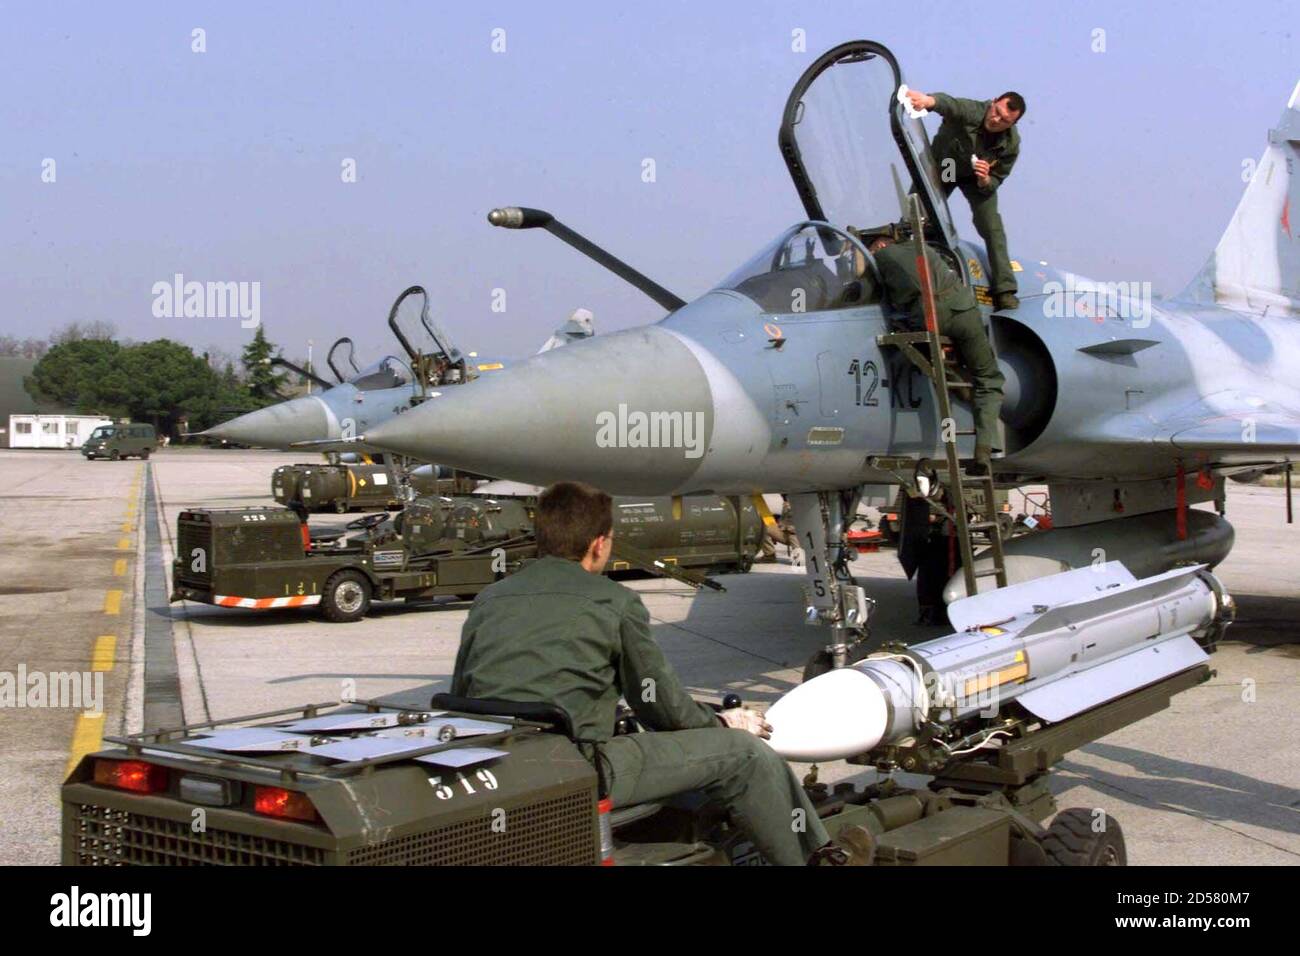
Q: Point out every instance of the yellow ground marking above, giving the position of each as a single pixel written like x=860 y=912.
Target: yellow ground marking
x=128 y=525
x=119 y=567
x=101 y=658
x=124 y=544
x=87 y=737
x=113 y=602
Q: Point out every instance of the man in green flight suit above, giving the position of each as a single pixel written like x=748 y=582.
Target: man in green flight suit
x=558 y=631
x=958 y=318
x=975 y=148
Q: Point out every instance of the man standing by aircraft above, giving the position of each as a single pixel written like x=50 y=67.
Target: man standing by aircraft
x=559 y=632
x=958 y=318
x=975 y=149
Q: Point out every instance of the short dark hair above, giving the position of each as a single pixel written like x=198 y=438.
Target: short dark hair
x=1015 y=102
x=571 y=515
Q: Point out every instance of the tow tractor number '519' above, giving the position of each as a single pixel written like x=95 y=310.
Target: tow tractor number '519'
x=445 y=791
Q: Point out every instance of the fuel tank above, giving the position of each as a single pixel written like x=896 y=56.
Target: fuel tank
x=1146 y=544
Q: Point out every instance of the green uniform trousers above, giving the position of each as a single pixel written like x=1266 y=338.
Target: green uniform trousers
x=733 y=767
x=966 y=330
x=988 y=223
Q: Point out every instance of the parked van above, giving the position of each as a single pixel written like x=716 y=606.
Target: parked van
x=120 y=441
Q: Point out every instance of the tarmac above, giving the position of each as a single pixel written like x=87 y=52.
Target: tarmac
x=85 y=555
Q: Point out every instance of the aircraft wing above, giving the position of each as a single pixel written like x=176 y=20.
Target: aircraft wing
x=1234 y=427
x=1272 y=437
x=1230 y=428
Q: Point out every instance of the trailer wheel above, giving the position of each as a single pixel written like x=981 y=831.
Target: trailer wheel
x=1071 y=841
x=346 y=598
x=341 y=506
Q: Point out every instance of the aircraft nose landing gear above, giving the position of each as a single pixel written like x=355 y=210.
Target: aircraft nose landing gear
x=831 y=597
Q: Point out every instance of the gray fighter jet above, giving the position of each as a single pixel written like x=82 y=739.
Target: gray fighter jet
x=364 y=396
x=1130 y=409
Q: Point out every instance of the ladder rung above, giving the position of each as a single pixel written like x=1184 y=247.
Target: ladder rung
x=989 y=572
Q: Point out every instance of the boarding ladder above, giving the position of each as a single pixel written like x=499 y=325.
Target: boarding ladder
x=967 y=512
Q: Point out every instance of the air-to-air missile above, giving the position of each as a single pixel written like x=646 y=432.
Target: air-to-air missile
x=784 y=376
x=1055 y=647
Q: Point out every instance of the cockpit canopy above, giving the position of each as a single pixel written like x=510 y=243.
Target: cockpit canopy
x=419 y=332
x=810 y=267
x=388 y=372
x=852 y=149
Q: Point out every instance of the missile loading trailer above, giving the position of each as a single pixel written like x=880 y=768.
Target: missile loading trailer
x=495 y=783
x=263 y=558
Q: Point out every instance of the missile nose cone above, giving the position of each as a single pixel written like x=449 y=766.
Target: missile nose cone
x=277 y=426
x=631 y=412
x=839 y=714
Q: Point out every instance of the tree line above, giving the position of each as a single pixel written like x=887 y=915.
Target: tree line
x=163 y=382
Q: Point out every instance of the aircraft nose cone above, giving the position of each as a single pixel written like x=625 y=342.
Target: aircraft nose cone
x=632 y=413
x=277 y=426
x=838 y=714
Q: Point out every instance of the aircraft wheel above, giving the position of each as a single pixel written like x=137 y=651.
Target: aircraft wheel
x=346 y=598
x=820 y=662
x=1071 y=841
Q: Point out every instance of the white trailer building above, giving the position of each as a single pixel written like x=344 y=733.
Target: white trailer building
x=52 y=430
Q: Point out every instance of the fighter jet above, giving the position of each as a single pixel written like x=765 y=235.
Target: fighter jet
x=1130 y=409
x=363 y=396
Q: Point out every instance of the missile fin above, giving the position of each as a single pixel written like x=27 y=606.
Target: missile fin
x=1072 y=695
x=1002 y=604
x=1063 y=613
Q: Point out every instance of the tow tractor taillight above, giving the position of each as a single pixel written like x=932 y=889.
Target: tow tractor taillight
x=286 y=804
x=605 y=808
x=134 y=775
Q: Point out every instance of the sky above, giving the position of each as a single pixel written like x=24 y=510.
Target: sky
x=228 y=164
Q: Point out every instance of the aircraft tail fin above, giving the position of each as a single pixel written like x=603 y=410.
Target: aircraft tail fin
x=1255 y=268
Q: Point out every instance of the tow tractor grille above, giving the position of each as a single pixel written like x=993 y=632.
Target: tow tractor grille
x=107 y=837
x=191 y=536
x=557 y=832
